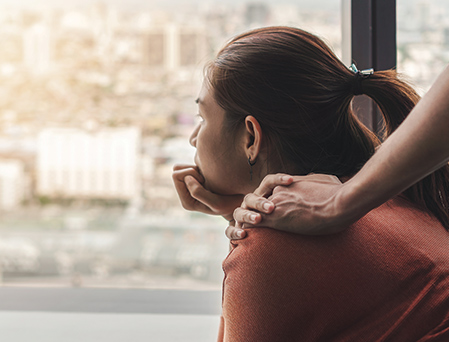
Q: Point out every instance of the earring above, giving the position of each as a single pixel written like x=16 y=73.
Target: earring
x=251 y=168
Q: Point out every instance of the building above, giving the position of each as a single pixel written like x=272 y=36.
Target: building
x=13 y=183
x=76 y=163
x=37 y=49
x=171 y=47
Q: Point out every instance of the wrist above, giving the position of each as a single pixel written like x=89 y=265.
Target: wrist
x=352 y=202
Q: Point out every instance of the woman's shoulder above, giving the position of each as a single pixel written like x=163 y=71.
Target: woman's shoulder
x=268 y=251
x=396 y=227
x=406 y=223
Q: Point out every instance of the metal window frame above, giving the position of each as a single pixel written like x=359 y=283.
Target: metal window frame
x=369 y=40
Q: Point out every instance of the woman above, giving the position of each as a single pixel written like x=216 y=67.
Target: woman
x=278 y=100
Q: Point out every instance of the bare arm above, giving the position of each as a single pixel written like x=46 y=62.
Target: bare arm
x=314 y=205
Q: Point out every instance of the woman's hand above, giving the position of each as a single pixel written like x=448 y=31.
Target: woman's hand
x=308 y=205
x=188 y=183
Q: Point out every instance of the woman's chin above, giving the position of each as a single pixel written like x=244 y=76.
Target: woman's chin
x=217 y=189
x=212 y=188
x=199 y=171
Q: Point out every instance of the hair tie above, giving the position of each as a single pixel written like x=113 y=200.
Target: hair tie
x=359 y=76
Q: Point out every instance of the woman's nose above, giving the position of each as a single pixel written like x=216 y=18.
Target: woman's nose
x=193 y=136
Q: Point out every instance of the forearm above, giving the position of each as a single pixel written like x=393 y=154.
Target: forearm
x=417 y=148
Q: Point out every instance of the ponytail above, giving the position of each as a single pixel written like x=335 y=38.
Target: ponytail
x=396 y=99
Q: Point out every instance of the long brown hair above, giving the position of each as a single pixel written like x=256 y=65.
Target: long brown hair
x=301 y=94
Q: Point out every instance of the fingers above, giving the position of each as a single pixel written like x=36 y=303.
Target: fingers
x=183 y=192
x=257 y=203
x=209 y=202
x=188 y=169
x=234 y=233
x=242 y=216
x=271 y=181
x=180 y=172
x=198 y=192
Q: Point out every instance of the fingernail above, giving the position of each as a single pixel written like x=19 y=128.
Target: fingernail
x=286 y=178
x=240 y=234
x=253 y=217
x=266 y=206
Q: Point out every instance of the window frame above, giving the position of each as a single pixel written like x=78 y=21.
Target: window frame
x=369 y=38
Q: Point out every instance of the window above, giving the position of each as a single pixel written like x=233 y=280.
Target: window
x=423 y=40
x=101 y=77
x=102 y=73
x=114 y=87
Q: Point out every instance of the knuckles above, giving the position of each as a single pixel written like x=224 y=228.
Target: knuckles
x=186 y=206
x=247 y=198
x=269 y=179
x=235 y=214
x=272 y=179
x=277 y=190
x=228 y=232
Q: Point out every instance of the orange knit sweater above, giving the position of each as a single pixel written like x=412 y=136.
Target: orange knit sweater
x=385 y=278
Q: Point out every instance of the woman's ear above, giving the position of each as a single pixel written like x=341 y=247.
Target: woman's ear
x=253 y=137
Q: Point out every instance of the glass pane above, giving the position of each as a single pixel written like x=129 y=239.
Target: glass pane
x=423 y=40
x=96 y=105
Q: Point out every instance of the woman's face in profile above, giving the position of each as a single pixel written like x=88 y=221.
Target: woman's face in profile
x=219 y=154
